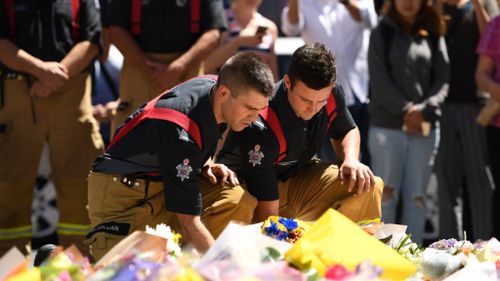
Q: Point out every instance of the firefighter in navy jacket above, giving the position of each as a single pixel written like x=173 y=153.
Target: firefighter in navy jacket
x=45 y=50
x=275 y=155
x=150 y=172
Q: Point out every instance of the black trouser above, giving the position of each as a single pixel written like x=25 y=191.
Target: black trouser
x=493 y=139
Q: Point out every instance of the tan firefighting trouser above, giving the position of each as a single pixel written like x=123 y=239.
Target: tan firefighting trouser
x=318 y=187
x=137 y=87
x=63 y=120
x=143 y=204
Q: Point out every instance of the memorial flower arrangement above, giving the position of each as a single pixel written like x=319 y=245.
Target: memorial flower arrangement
x=284 y=229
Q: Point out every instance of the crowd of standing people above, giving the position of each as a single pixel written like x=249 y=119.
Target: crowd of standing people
x=402 y=91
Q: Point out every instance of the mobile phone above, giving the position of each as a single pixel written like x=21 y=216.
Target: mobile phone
x=261 y=30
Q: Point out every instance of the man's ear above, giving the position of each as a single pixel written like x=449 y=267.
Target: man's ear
x=224 y=91
x=288 y=82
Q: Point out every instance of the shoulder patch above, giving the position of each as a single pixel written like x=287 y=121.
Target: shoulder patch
x=184 y=170
x=255 y=156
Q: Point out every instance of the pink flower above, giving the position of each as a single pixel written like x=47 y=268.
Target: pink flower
x=338 y=273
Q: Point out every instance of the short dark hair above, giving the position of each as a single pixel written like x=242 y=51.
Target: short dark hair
x=314 y=65
x=246 y=70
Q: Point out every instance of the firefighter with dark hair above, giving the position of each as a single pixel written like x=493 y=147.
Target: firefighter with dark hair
x=156 y=168
x=45 y=50
x=275 y=156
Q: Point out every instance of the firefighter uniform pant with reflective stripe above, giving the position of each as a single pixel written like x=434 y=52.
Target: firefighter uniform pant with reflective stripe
x=118 y=206
x=64 y=121
x=138 y=87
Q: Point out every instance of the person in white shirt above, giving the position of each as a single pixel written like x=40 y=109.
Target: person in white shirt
x=343 y=26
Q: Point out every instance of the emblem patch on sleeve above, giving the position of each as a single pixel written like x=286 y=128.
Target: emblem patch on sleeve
x=184 y=170
x=255 y=155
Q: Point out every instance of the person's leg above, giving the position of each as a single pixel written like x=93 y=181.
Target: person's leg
x=74 y=142
x=421 y=152
x=388 y=163
x=449 y=172
x=21 y=141
x=318 y=187
x=478 y=179
x=493 y=138
x=117 y=210
x=223 y=203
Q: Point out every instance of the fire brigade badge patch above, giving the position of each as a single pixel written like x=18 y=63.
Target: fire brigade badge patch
x=255 y=155
x=184 y=170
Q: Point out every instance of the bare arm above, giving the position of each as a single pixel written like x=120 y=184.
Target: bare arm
x=221 y=54
x=128 y=47
x=348 y=147
x=482 y=17
x=201 y=49
x=265 y=209
x=196 y=232
x=484 y=77
x=351 y=170
x=80 y=57
x=52 y=74
x=293 y=11
x=166 y=76
x=353 y=9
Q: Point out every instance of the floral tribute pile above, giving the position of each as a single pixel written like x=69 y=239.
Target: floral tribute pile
x=331 y=249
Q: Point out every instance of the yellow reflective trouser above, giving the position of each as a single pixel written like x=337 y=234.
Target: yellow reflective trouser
x=63 y=120
x=137 y=88
x=116 y=209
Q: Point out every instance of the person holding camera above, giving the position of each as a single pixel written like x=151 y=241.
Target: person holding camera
x=247 y=30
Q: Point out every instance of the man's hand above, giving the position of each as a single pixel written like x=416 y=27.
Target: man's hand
x=352 y=170
x=53 y=75
x=213 y=172
x=40 y=90
x=104 y=113
x=166 y=75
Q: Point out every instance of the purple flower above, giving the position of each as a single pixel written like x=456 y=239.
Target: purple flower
x=444 y=244
x=290 y=224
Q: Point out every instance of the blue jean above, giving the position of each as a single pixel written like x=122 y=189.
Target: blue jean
x=405 y=163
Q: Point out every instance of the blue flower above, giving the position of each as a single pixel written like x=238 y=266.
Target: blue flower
x=290 y=224
x=282 y=235
x=272 y=229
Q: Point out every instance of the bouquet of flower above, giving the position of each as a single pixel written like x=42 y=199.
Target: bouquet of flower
x=284 y=229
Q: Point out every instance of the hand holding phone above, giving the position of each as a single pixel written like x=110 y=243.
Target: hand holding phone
x=261 y=30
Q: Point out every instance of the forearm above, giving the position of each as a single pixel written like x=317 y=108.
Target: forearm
x=196 y=232
x=293 y=11
x=482 y=17
x=353 y=9
x=17 y=59
x=79 y=57
x=487 y=84
x=265 y=209
x=348 y=147
x=128 y=47
x=201 y=49
x=220 y=55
